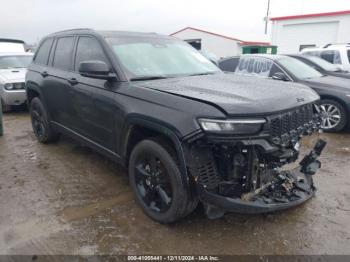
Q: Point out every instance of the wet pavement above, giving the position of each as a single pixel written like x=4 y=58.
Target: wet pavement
x=65 y=199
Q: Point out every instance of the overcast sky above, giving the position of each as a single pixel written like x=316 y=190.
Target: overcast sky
x=31 y=19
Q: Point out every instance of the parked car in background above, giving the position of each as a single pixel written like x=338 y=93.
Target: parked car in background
x=183 y=128
x=322 y=65
x=210 y=56
x=11 y=45
x=13 y=67
x=334 y=91
x=338 y=54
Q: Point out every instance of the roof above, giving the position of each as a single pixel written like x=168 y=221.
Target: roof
x=346 y=12
x=16 y=54
x=242 y=42
x=106 y=33
x=268 y=56
x=11 y=40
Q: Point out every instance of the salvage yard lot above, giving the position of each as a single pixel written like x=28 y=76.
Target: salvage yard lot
x=65 y=199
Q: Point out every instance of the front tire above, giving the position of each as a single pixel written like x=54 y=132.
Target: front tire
x=334 y=117
x=157 y=183
x=40 y=122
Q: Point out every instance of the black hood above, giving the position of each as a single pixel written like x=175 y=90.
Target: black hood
x=237 y=95
x=335 y=83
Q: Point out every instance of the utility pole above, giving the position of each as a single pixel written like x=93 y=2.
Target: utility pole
x=267 y=16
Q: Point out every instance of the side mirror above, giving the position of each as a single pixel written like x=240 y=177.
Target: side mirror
x=96 y=69
x=280 y=76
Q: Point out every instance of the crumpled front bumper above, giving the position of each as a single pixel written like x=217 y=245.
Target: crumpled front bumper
x=299 y=189
x=257 y=205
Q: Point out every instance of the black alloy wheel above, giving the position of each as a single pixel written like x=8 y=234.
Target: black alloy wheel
x=157 y=182
x=153 y=183
x=40 y=122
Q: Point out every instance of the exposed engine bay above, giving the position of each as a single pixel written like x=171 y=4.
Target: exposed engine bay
x=249 y=175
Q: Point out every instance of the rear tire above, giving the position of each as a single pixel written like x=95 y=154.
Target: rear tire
x=40 y=122
x=157 y=182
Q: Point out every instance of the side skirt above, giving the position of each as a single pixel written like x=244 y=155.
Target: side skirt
x=87 y=142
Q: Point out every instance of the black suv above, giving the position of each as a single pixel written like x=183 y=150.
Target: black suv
x=186 y=131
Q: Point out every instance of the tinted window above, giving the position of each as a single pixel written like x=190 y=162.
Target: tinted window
x=63 y=53
x=349 y=55
x=323 y=64
x=275 y=69
x=229 y=64
x=298 y=68
x=89 y=49
x=332 y=56
x=42 y=55
x=254 y=66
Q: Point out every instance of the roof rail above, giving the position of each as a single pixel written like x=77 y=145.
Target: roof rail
x=74 y=29
x=328 y=45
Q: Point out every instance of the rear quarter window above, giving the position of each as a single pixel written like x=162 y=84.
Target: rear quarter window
x=42 y=54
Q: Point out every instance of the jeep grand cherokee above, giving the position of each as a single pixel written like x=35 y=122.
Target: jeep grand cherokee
x=186 y=131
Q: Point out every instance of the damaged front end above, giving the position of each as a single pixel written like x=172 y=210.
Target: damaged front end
x=243 y=174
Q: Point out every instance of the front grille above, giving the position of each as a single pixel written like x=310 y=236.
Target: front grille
x=207 y=175
x=292 y=124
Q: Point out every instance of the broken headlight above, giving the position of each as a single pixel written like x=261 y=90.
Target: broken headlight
x=234 y=126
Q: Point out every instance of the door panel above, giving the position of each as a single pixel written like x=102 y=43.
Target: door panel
x=93 y=111
x=57 y=88
x=92 y=100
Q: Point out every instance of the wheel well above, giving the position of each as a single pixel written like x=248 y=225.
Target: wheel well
x=338 y=100
x=31 y=94
x=139 y=133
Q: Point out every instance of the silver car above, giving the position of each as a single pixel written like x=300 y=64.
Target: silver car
x=13 y=67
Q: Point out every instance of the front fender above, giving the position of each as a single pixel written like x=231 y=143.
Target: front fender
x=168 y=131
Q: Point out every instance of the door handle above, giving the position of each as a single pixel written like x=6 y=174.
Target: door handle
x=44 y=73
x=73 y=81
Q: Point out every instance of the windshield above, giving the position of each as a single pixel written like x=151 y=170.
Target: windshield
x=298 y=68
x=15 y=61
x=323 y=64
x=156 y=57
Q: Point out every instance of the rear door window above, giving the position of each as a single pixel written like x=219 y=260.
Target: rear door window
x=89 y=49
x=332 y=56
x=42 y=55
x=254 y=66
x=63 y=53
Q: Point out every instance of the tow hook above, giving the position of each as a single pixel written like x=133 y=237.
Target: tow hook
x=310 y=163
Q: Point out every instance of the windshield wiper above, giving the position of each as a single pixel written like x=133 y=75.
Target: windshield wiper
x=141 y=78
x=203 y=74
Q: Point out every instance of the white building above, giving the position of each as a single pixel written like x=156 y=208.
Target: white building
x=293 y=33
x=220 y=45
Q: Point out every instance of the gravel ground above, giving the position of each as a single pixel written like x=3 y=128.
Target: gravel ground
x=65 y=199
